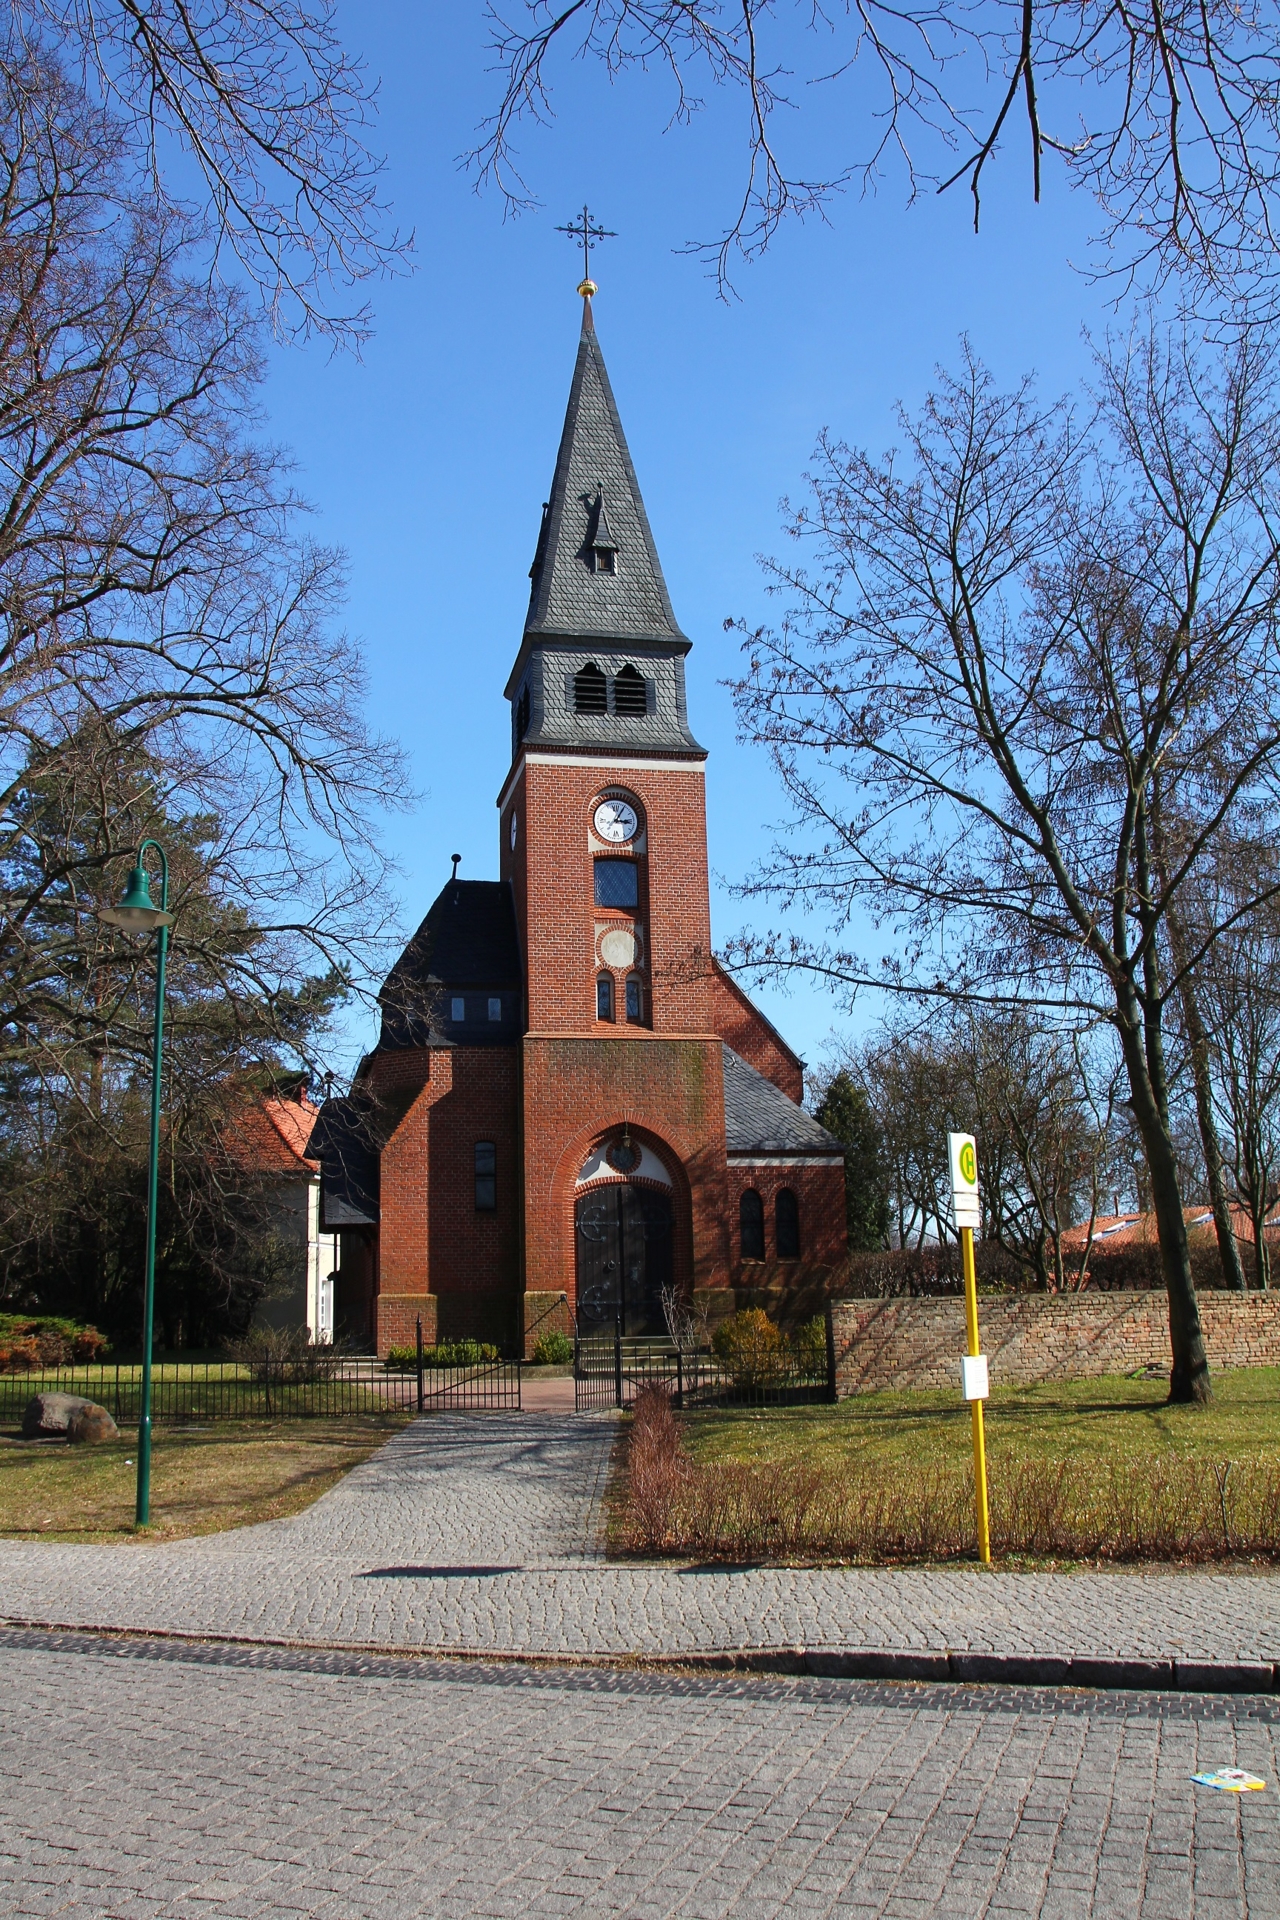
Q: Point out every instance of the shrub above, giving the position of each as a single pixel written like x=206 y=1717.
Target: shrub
x=809 y=1344
x=659 y=1473
x=286 y=1355
x=1180 y=1509
x=450 y=1353
x=46 y=1340
x=751 y=1349
x=552 y=1350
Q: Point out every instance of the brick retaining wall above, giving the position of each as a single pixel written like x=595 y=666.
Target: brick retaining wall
x=1035 y=1336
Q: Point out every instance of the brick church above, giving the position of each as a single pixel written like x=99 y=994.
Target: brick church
x=571 y=1106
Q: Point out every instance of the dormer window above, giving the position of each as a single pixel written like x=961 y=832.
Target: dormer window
x=590 y=690
x=602 y=547
x=630 y=694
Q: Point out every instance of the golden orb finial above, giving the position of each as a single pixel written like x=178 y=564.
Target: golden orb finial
x=586 y=288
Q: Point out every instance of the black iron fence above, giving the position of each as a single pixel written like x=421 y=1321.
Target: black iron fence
x=230 y=1390
x=608 y=1371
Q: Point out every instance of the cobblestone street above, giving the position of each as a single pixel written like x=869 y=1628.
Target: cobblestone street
x=483 y=1533
x=156 y=1782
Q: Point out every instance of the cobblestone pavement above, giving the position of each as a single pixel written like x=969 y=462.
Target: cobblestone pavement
x=151 y=1781
x=482 y=1533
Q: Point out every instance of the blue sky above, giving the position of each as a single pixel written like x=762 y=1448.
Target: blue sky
x=428 y=459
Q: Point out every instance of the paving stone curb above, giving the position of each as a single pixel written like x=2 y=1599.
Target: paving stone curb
x=1085 y=1672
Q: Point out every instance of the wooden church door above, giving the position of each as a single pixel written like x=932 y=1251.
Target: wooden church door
x=623 y=1235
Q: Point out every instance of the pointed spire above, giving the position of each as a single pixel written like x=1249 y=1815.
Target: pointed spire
x=596 y=572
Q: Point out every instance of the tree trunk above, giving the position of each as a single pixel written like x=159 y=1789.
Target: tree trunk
x=1189 y=1375
x=1228 y=1247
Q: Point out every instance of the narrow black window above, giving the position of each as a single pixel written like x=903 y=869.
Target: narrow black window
x=522 y=715
x=751 y=1225
x=604 y=997
x=606 y=559
x=486 y=1176
x=617 y=883
x=786 y=1224
x=635 y=1002
x=630 y=692
x=590 y=690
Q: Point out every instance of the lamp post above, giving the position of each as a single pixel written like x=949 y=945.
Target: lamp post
x=137 y=913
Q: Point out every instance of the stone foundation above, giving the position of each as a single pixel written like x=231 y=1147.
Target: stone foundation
x=1032 y=1337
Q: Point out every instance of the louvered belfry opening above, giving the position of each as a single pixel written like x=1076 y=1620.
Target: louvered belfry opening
x=590 y=690
x=630 y=693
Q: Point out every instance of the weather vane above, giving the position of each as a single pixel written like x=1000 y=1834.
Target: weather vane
x=584 y=231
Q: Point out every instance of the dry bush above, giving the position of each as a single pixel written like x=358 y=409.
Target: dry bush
x=750 y=1348
x=1179 y=1508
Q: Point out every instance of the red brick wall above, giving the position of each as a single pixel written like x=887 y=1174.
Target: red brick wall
x=823 y=1234
x=553 y=882
x=1031 y=1337
x=671 y=1093
x=434 y=1246
x=745 y=1029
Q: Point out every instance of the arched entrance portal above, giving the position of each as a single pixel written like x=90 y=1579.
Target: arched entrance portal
x=623 y=1234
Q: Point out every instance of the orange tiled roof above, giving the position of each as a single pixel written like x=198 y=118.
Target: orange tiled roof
x=1124 y=1230
x=271 y=1135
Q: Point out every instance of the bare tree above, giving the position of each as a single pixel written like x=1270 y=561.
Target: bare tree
x=1046 y=1136
x=1239 y=987
x=1027 y=642
x=271 y=117
x=1169 y=117
x=158 y=600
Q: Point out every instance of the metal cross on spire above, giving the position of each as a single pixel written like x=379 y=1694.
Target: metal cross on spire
x=584 y=230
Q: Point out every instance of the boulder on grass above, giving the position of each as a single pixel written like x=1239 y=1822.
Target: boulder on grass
x=91 y=1424
x=50 y=1413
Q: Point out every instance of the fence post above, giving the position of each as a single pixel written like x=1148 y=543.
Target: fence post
x=420 y=1379
x=617 y=1360
x=831 y=1356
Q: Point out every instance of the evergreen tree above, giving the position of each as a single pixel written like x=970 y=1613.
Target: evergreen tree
x=845 y=1111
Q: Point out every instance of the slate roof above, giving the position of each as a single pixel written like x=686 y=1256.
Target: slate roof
x=759 y=1118
x=345 y=1143
x=595 y=483
x=468 y=940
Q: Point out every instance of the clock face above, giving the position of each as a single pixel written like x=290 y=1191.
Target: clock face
x=513 y=832
x=615 y=821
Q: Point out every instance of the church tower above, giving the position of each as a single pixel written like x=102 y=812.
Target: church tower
x=572 y=1109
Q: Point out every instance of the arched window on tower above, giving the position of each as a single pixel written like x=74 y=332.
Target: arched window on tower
x=630 y=693
x=604 y=997
x=786 y=1216
x=590 y=690
x=751 y=1225
x=635 y=999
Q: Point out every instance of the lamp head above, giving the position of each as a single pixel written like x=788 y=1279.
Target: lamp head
x=137 y=912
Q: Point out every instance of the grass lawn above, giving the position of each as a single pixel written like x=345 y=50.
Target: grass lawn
x=230 y=1473
x=1111 y=1420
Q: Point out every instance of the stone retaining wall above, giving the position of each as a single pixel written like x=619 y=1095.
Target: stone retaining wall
x=1035 y=1336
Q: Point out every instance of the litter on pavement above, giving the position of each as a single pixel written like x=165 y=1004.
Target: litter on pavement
x=1230 y=1780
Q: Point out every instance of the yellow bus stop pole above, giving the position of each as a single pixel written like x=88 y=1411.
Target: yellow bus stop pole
x=979 y=1437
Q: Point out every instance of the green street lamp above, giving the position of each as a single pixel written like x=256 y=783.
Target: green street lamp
x=137 y=913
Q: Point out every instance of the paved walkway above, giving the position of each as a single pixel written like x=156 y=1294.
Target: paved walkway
x=482 y=1534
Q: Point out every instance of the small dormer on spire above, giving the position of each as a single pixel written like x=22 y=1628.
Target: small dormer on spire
x=602 y=548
